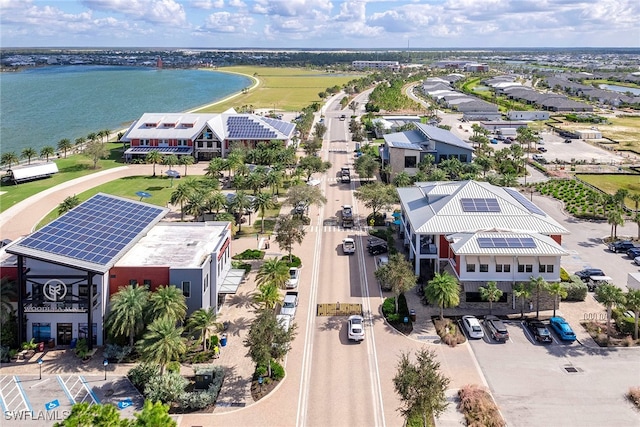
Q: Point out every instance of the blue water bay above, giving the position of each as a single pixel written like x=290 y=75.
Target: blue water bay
x=39 y=107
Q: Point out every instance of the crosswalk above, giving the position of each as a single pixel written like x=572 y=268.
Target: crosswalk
x=335 y=229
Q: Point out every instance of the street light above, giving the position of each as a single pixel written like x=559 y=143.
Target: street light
x=105 y=362
x=40 y=365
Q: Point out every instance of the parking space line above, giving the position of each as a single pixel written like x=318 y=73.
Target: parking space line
x=4 y=408
x=22 y=393
x=64 y=388
x=91 y=393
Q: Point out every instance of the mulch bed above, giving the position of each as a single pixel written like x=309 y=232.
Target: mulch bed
x=259 y=391
x=598 y=331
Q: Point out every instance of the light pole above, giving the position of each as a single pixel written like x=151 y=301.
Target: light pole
x=105 y=362
x=40 y=366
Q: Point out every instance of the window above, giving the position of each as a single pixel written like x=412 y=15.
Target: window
x=549 y=268
x=525 y=268
x=545 y=268
x=206 y=283
x=503 y=268
x=133 y=282
x=463 y=158
x=410 y=162
x=40 y=331
x=484 y=268
x=182 y=142
x=83 y=294
x=147 y=282
x=471 y=268
x=498 y=268
x=186 y=289
x=83 y=332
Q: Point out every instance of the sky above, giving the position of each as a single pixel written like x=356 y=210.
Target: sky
x=318 y=24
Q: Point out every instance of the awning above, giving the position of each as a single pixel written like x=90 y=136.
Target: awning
x=475 y=286
x=485 y=260
x=547 y=260
x=526 y=260
x=231 y=281
x=504 y=260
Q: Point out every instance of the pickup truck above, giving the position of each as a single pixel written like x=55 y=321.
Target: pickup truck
x=348 y=246
x=289 y=304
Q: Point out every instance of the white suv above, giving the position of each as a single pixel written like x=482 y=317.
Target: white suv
x=472 y=325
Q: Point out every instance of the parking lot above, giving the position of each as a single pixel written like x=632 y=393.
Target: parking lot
x=531 y=380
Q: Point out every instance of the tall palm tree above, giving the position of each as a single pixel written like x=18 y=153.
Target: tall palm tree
x=201 y=321
x=239 y=205
x=154 y=157
x=633 y=303
x=170 y=160
x=261 y=203
x=9 y=158
x=180 y=196
x=128 y=308
x=610 y=296
x=273 y=180
x=216 y=201
x=92 y=137
x=615 y=219
x=636 y=219
x=47 y=151
x=169 y=302
x=63 y=145
x=28 y=153
x=215 y=167
x=620 y=195
x=195 y=205
x=162 y=343
x=635 y=197
x=558 y=292
x=402 y=179
x=186 y=161
x=273 y=271
x=234 y=160
x=105 y=134
x=522 y=291
x=490 y=293
x=267 y=296
x=443 y=290
x=538 y=283
x=79 y=141
x=255 y=181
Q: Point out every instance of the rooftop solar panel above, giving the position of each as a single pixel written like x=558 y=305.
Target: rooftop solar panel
x=525 y=202
x=480 y=205
x=96 y=230
x=508 y=242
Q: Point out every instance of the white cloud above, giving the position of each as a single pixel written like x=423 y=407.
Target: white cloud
x=156 y=11
x=225 y=22
x=207 y=4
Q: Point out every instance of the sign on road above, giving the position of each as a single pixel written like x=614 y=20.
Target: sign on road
x=125 y=403
x=51 y=405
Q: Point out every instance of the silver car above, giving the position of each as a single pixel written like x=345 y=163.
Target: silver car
x=356 y=328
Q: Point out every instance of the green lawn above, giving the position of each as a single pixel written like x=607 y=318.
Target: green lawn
x=74 y=166
x=612 y=183
x=285 y=89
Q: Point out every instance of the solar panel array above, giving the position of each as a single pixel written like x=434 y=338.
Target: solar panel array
x=506 y=242
x=95 y=231
x=525 y=202
x=480 y=205
x=162 y=150
x=279 y=125
x=242 y=127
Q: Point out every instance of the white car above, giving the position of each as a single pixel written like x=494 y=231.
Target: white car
x=382 y=261
x=472 y=325
x=637 y=260
x=294 y=277
x=356 y=328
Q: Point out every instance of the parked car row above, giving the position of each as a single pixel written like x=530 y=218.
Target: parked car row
x=539 y=330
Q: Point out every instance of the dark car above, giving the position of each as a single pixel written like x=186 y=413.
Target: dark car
x=621 y=246
x=633 y=253
x=378 y=248
x=497 y=328
x=539 y=331
x=588 y=272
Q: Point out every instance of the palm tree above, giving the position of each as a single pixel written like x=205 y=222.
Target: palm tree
x=214 y=167
x=8 y=294
x=633 y=303
x=169 y=302
x=80 y=141
x=619 y=197
x=162 y=343
x=234 y=160
x=273 y=271
x=614 y=217
x=636 y=219
x=196 y=204
x=201 y=321
x=261 y=203
x=522 y=291
x=47 y=151
x=154 y=157
x=268 y=296
x=255 y=181
x=9 y=158
x=239 y=205
x=402 y=179
x=609 y=296
x=443 y=290
x=538 y=283
x=128 y=308
x=490 y=293
x=105 y=133
x=28 y=153
x=186 y=161
x=170 y=160
x=181 y=195
x=68 y=203
x=635 y=197
x=558 y=292
x=274 y=180
x=92 y=137
x=63 y=145
x=216 y=201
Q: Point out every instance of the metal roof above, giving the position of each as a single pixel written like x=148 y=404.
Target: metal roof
x=435 y=208
x=467 y=244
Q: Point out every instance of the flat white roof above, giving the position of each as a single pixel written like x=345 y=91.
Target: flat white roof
x=176 y=244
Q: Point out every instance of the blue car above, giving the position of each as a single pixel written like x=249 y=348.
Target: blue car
x=562 y=328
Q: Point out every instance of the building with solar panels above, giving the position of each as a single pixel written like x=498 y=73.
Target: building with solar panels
x=68 y=269
x=479 y=232
x=403 y=151
x=203 y=136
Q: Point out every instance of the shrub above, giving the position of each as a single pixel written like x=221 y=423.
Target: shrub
x=478 y=407
x=241 y=266
x=389 y=306
x=5 y=354
x=249 y=254
x=634 y=396
x=202 y=399
x=295 y=261
x=576 y=289
x=166 y=388
x=142 y=374
x=403 y=308
x=202 y=357
x=277 y=371
x=173 y=367
x=261 y=371
x=213 y=341
x=117 y=353
x=82 y=348
x=564 y=276
x=625 y=324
